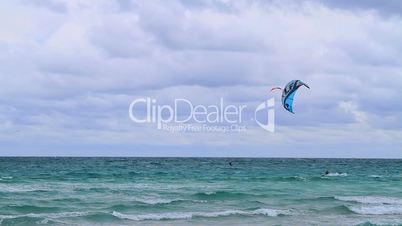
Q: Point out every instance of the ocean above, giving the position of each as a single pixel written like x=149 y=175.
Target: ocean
x=199 y=191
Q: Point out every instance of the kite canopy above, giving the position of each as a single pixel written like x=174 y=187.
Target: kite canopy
x=289 y=92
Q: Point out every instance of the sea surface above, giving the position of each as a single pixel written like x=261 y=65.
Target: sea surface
x=199 y=191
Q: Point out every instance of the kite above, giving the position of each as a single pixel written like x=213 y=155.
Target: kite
x=289 y=92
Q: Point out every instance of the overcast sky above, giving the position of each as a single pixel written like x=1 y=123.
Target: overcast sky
x=69 y=70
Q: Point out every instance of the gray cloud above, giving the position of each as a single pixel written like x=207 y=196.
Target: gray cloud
x=57 y=6
x=75 y=76
x=388 y=7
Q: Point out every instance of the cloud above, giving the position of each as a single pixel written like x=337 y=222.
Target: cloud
x=70 y=69
x=351 y=108
x=57 y=6
x=387 y=8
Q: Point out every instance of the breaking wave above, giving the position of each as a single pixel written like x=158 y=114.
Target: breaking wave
x=374 y=205
x=336 y=175
x=189 y=215
x=370 y=199
x=220 y=195
x=377 y=210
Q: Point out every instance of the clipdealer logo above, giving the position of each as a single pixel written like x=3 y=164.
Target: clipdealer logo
x=184 y=116
x=269 y=106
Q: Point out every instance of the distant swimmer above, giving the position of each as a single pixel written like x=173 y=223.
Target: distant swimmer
x=326 y=172
x=230 y=163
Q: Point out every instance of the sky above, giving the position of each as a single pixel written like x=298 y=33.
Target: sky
x=69 y=70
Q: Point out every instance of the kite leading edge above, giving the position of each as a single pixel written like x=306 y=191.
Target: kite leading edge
x=289 y=92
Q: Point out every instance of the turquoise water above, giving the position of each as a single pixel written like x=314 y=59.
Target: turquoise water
x=199 y=191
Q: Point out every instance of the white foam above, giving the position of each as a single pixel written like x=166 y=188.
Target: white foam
x=336 y=175
x=45 y=215
x=154 y=201
x=263 y=211
x=23 y=188
x=153 y=216
x=157 y=200
x=272 y=212
x=4 y=217
x=220 y=213
x=189 y=215
x=377 y=210
x=370 y=199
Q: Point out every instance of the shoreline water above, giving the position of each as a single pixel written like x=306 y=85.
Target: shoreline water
x=199 y=191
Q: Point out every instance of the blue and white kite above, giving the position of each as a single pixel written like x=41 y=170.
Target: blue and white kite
x=289 y=92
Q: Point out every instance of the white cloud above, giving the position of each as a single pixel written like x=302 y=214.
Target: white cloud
x=72 y=67
x=351 y=108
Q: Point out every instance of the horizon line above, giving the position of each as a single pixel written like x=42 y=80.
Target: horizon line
x=216 y=157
